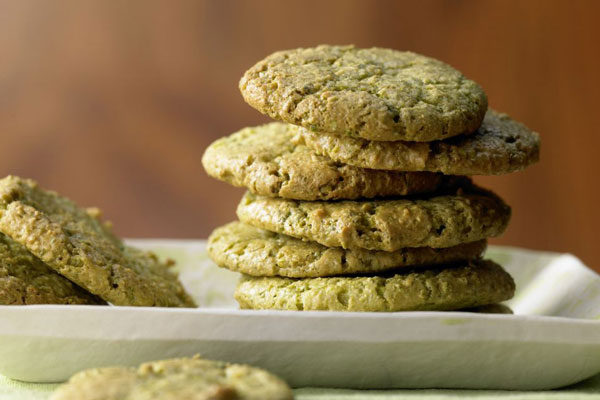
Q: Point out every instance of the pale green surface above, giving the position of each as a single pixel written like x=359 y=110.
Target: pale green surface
x=590 y=389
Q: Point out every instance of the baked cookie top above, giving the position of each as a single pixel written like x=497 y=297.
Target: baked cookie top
x=469 y=284
x=76 y=244
x=253 y=251
x=25 y=279
x=374 y=94
x=266 y=161
x=175 y=379
x=500 y=145
x=441 y=220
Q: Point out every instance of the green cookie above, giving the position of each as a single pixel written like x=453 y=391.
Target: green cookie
x=73 y=242
x=25 y=279
x=254 y=251
x=470 y=284
x=442 y=220
x=265 y=160
x=374 y=94
x=500 y=145
x=175 y=379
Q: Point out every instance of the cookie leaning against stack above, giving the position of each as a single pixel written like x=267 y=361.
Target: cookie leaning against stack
x=357 y=200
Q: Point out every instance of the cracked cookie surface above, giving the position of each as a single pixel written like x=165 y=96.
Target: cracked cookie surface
x=500 y=146
x=180 y=378
x=265 y=160
x=466 y=285
x=253 y=251
x=76 y=244
x=461 y=215
x=374 y=94
x=25 y=279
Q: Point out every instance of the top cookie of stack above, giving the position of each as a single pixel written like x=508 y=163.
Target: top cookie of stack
x=360 y=124
x=374 y=108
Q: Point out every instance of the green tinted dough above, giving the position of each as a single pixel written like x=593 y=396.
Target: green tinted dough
x=443 y=220
x=467 y=285
x=501 y=145
x=254 y=251
x=265 y=160
x=25 y=279
x=73 y=242
x=175 y=379
x=375 y=94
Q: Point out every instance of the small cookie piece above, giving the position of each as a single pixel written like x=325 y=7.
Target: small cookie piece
x=374 y=94
x=265 y=160
x=441 y=220
x=253 y=251
x=175 y=379
x=24 y=279
x=76 y=244
x=500 y=146
x=470 y=284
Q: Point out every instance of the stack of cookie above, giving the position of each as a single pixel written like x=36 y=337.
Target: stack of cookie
x=359 y=200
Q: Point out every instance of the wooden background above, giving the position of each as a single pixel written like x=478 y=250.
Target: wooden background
x=113 y=102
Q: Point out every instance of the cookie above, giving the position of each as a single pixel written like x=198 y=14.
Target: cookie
x=501 y=145
x=442 y=220
x=24 y=279
x=265 y=160
x=470 y=284
x=77 y=245
x=374 y=94
x=175 y=379
x=254 y=251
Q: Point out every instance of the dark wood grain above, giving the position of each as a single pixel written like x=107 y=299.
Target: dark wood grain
x=112 y=103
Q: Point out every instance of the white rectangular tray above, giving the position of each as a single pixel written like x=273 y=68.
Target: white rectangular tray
x=552 y=341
